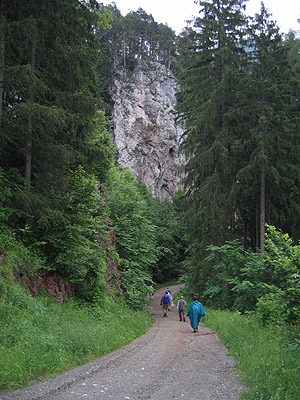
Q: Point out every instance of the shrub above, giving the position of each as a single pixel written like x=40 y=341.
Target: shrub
x=268 y=283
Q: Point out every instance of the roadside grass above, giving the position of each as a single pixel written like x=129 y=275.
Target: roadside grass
x=40 y=339
x=268 y=361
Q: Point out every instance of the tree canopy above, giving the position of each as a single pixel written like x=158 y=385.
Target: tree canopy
x=239 y=102
x=63 y=196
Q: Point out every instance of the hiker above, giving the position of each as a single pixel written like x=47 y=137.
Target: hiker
x=181 y=309
x=171 y=298
x=171 y=302
x=150 y=293
x=195 y=312
x=152 y=290
x=165 y=302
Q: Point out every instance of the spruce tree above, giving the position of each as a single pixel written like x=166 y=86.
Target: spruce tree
x=270 y=176
x=51 y=120
x=213 y=61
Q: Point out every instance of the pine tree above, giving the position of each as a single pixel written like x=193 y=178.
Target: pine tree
x=137 y=37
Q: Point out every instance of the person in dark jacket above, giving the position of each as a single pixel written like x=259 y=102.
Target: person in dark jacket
x=181 y=309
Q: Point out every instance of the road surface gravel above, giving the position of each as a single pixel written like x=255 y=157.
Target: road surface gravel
x=169 y=362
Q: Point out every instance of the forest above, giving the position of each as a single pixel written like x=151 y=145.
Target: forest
x=231 y=234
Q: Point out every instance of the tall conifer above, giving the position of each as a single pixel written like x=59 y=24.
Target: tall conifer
x=50 y=123
x=271 y=172
x=212 y=63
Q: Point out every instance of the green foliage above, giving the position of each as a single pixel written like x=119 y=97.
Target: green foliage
x=41 y=338
x=135 y=36
x=239 y=103
x=171 y=236
x=211 y=64
x=52 y=117
x=136 y=285
x=227 y=261
x=75 y=247
x=269 y=108
x=54 y=140
x=135 y=235
x=282 y=260
x=268 y=358
x=5 y=195
x=272 y=306
x=99 y=149
x=50 y=85
x=15 y=260
x=264 y=283
x=150 y=235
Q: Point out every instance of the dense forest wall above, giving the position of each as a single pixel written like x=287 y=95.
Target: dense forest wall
x=144 y=130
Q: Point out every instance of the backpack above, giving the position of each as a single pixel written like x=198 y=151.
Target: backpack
x=166 y=299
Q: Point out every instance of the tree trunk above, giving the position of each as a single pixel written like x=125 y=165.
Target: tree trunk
x=124 y=54
x=28 y=145
x=262 y=207
x=257 y=223
x=169 y=59
x=2 y=53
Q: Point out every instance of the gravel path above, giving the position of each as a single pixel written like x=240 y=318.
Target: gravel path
x=169 y=362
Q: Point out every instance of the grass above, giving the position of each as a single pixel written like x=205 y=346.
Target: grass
x=268 y=363
x=40 y=339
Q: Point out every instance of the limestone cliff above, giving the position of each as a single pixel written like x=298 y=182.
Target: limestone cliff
x=144 y=130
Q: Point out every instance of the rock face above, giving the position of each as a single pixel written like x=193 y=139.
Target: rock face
x=53 y=283
x=144 y=130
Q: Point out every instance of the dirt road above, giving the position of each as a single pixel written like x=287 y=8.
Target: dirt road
x=168 y=362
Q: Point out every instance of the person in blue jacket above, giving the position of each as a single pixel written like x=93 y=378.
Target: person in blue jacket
x=195 y=312
x=165 y=302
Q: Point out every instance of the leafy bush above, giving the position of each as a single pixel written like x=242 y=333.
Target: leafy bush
x=135 y=235
x=250 y=286
x=74 y=249
x=271 y=307
x=227 y=262
x=15 y=259
x=268 y=283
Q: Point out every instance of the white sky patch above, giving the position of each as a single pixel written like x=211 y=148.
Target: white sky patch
x=175 y=13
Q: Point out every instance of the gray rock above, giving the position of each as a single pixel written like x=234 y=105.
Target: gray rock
x=144 y=130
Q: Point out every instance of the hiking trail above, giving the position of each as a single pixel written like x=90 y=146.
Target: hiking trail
x=169 y=362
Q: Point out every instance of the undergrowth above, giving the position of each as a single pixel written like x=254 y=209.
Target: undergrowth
x=268 y=356
x=40 y=338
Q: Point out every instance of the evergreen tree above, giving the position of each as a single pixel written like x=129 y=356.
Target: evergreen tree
x=271 y=173
x=213 y=61
x=50 y=121
x=135 y=37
